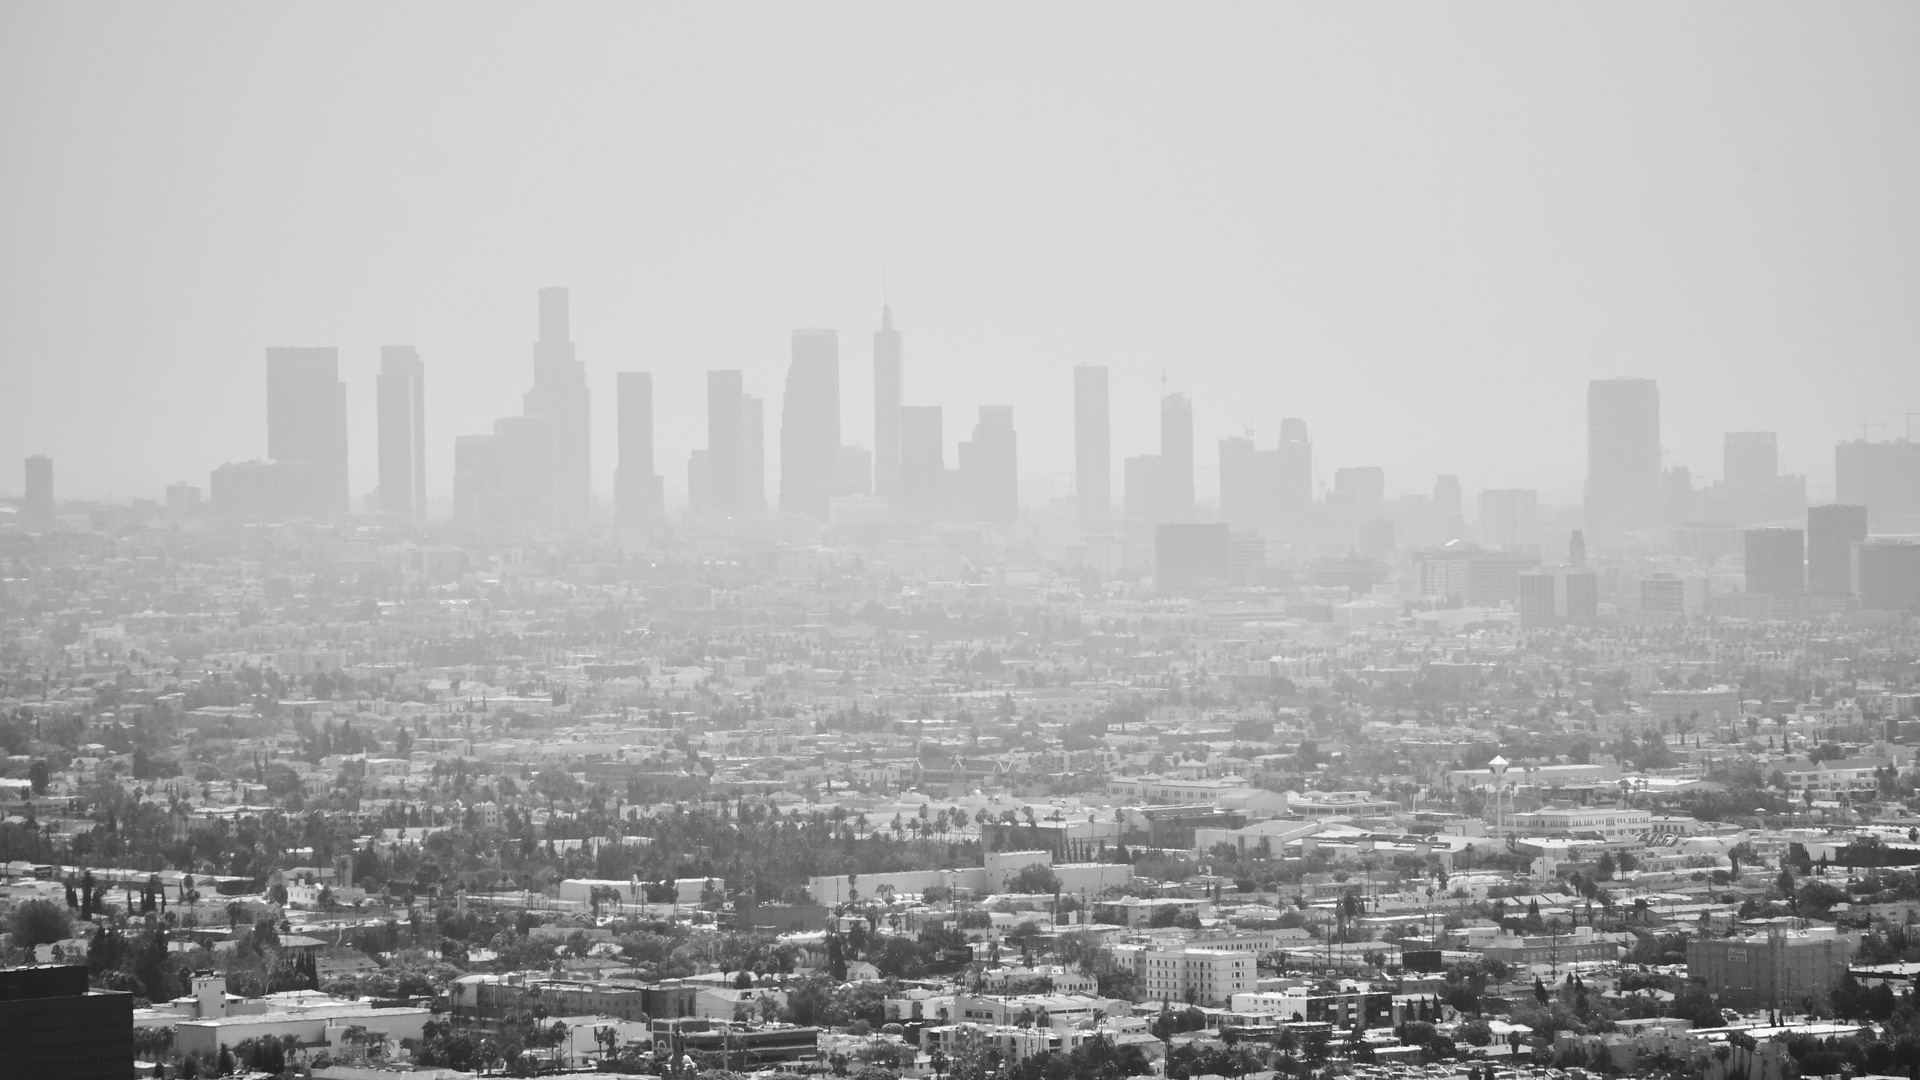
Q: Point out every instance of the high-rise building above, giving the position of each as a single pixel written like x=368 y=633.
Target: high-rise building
x=1753 y=489
x=753 y=453
x=1244 y=500
x=989 y=461
x=810 y=424
x=560 y=392
x=724 y=488
x=307 y=424
x=1557 y=596
x=1886 y=573
x=535 y=468
x=1624 y=492
x=1776 y=562
x=1176 y=457
x=1831 y=533
x=1092 y=443
x=1884 y=477
x=1295 y=476
x=401 y=404
x=888 y=391
x=638 y=495
x=37 y=505
x=1449 y=516
x=923 y=463
x=1510 y=518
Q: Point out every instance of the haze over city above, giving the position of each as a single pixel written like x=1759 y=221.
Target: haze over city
x=1423 y=236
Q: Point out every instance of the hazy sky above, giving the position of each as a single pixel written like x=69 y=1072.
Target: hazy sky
x=1420 y=227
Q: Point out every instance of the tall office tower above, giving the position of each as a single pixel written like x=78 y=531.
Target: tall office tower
x=888 y=388
x=560 y=392
x=1449 y=516
x=1753 y=489
x=1092 y=444
x=1886 y=574
x=1295 y=506
x=989 y=461
x=725 y=482
x=810 y=424
x=753 y=453
x=1884 y=477
x=923 y=463
x=37 y=506
x=307 y=423
x=1831 y=533
x=1776 y=561
x=1242 y=504
x=638 y=495
x=1623 y=456
x=401 y=404
x=1176 y=457
x=1510 y=518
x=1577 y=549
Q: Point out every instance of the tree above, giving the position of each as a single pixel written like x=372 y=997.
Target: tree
x=1034 y=878
x=39 y=922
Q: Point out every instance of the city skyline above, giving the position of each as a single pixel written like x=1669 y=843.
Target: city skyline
x=1567 y=196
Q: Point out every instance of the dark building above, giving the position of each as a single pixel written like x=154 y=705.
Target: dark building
x=1184 y=554
x=1831 y=533
x=1776 y=561
x=1767 y=969
x=53 y=1026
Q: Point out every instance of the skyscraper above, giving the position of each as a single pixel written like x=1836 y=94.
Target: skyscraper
x=1176 y=456
x=725 y=487
x=923 y=462
x=1092 y=444
x=307 y=424
x=534 y=468
x=989 y=461
x=1776 y=562
x=1295 y=476
x=1884 y=477
x=560 y=392
x=637 y=490
x=37 y=506
x=1831 y=533
x=1623 y=456
x=888 y=388
x=810 y=424
x=1753 y=489
x=1449 y=518
x=402 y=412
x=753 y=454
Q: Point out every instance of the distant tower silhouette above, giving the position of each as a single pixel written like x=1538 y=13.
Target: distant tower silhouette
x=307 y=424
x=888 y=391
x=810 y=424
x=637 y=495
x=401 y=392
x=1577 y=549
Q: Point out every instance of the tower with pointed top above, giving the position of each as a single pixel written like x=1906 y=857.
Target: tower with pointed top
x=887 y=398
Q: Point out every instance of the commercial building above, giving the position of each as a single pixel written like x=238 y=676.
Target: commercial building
x=1884 y=477
x=1780 y=967
x=1606 y=823
x=923 y=463
x=989 y=462
x=534 y=469
x=1886 y=573
x=1831 y=533
x=1776 y=562
x=1092 y=444
x=1205 y=977
x=401 y=392
x=1345 y=1010
x=1560 y=596
x=810 y=424
x=888 y=395
x=307 y=424
x=52 y=1025
x=37 y=503
x=1528 y=949
x=638 y=491
x=1295 y=476
x=1623 y=491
